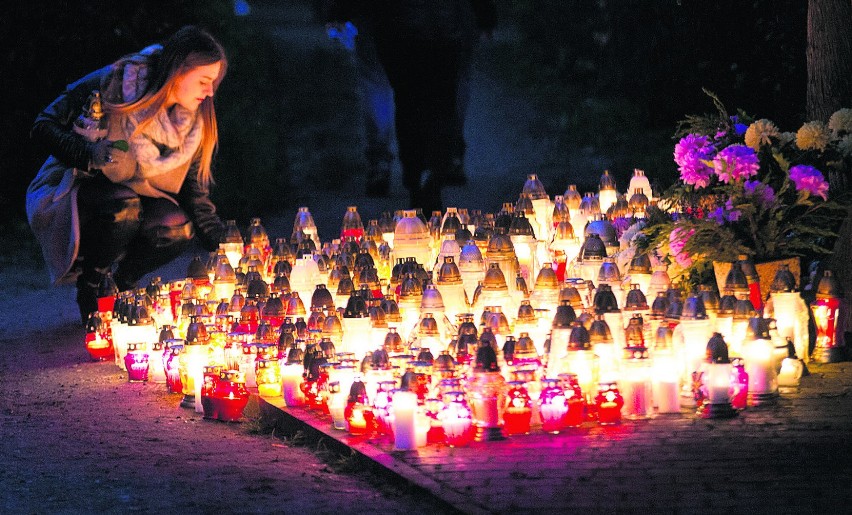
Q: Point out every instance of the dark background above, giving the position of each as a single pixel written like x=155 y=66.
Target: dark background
x=614 y=76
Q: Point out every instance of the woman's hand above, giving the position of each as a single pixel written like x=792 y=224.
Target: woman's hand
x=106 y=152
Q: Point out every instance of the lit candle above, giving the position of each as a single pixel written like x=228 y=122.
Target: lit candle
x=667 y=396
x=719 y=383
x=759 y=363
x=635 y=384
x=552 y=414
x=456 y=419
x=404 y=406
x=291 y=381
x=197 y=374
x=666 y=382
x=637 y=397
x=268 y=373
x=552 y=405
x=156 y=367
x=422 y=423
x=609 y=403
x=518 y=412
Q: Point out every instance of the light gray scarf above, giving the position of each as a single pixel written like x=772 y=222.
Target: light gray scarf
x=167 y=143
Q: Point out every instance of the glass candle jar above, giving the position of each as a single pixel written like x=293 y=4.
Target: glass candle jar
x=210 y=379
x=456 y=419
x=268 y=377
x=173 y=379
x=517 y=413
x=608 y=403
x=136 y=362
x=156 y=367
x=576 y=413
x=739 y=384
x=230 y=396
x=552 y=405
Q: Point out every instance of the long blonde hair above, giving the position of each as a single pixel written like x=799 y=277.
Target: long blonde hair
x=189 y=48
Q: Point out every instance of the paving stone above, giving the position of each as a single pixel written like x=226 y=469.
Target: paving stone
x=791 y=457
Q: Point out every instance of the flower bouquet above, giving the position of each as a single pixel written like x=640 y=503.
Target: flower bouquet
x=749 y=189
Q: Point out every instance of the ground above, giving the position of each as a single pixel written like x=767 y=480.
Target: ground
x=77 y=437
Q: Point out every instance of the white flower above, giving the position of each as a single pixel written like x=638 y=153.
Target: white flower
x=845 y=145
x=841 y=120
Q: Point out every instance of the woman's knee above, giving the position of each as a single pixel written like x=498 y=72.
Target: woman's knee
x=166 y=225
x=101 y=199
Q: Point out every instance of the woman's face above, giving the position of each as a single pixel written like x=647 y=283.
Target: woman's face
x=194 y=86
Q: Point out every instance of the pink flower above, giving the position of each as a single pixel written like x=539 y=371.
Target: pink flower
x=809 y=179
x=677 y=241
x=736 y=162
x=689 y=154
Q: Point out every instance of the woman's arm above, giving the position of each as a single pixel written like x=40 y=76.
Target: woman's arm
x=52 y=129
x=194 y=197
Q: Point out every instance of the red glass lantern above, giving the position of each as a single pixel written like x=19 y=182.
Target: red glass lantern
x=358 y=412
x=230 y=396
x=98 y=340
x=608 y=403
x=576 y=414
x=517 y=413
x=136 y=362
x=826 y=309
x=432 y=407
x=456 y=420
x=107 y=293
x=352 y=226
x=175 y=296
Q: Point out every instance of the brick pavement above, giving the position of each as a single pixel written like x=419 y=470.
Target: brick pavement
x=791 y=457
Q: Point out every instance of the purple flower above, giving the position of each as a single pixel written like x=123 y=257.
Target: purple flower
x=736 y=162
x=717 y=215
x=809 y=179
x=720 y=215
x=689 y=154
x=739 y=128
x=732 y=214
x=764 y=192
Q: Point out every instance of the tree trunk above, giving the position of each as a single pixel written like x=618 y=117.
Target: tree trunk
x=829 y=55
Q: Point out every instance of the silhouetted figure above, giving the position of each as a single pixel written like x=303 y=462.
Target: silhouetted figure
x=425 y=49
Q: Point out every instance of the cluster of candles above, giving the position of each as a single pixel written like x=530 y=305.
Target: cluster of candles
x=463 y=326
